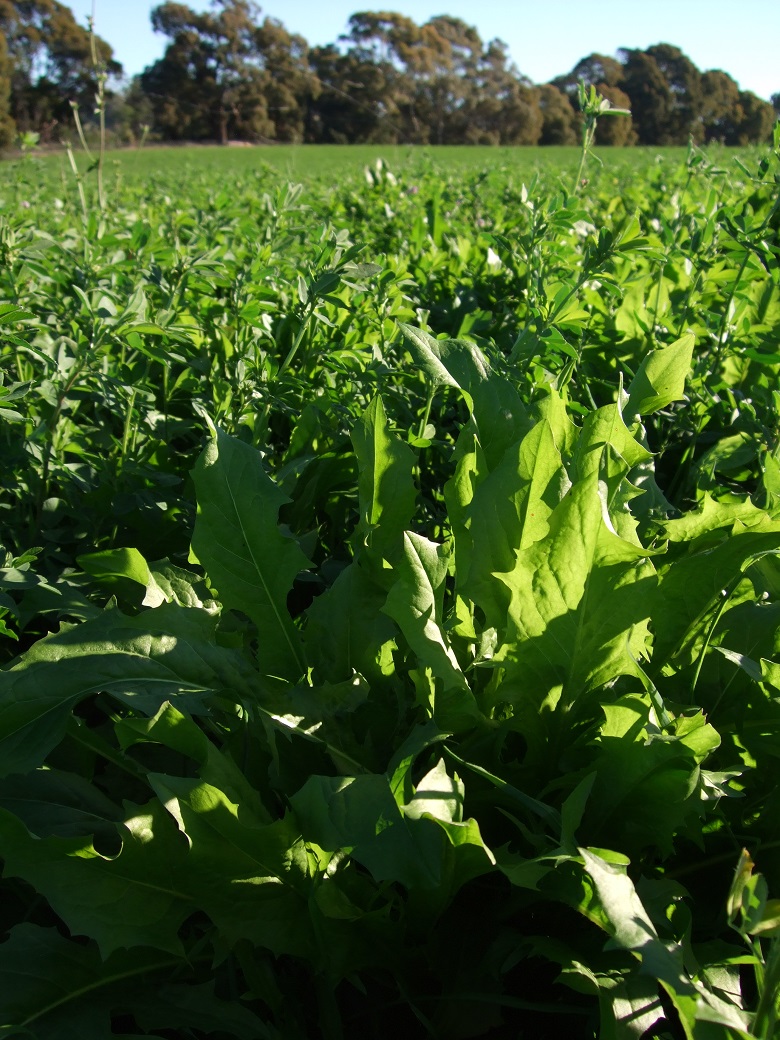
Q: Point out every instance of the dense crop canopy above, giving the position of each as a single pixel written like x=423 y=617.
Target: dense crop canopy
x=374 y=679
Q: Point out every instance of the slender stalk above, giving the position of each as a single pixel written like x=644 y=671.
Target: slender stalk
x=765 y=1020
x=592 y=106
x=100 y=98
x=79 y=182
x=298 y=340
x=427 y=413
x=725 y=316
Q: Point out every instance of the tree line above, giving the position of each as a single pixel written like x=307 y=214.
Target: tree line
x=231 y=74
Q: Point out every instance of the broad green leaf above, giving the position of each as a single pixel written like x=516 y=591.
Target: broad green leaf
x=124 y=572
x=359 y=815
x=509 y=510
x=459 y=493
x=771 y=482
x=53 y=803
x=427 y=352
x=437 y=794
x=248 y=559
x=616 y=907
x=175 y=730
x=415 y=603
x=629 y=1004
x=54 y=989
x=252 y=880
x=399 y=769
x=161 y=654
x=660 y=379
x=178 y=585
x=197 y=1008
x=578 y=608
x=646 y=784
x=605 y=428
x=692 y=588
x=572 y=811
x=386 y=490
x=147 y=878
x=498 y=412
x=347 y=633
x=715 y=515
x=513 y=796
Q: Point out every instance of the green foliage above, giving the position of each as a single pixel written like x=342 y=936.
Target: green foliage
x=399 y=651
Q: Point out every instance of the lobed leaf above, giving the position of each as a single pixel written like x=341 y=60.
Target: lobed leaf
x=248 y=559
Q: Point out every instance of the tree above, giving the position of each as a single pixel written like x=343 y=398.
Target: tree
x=210 y=82
x=355 y=102
x=593 y=70
x=559 y=120
x=447 y=73
x=398 y=48
x=7 y=124
x=288 y=84
x=720 y=104
x=650 y=96
x=50 y=59
x=753 y=120
x=683 y=118
x=503 y=107
x=606 y=75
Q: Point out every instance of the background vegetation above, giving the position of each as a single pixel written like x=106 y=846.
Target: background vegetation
x=231 y=74
x=390 y=598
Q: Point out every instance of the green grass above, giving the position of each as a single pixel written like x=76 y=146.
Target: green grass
x=323 y=161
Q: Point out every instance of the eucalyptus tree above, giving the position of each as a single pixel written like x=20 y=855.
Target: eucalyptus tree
x=683 y=119
x=7 y=123
x=720 y=100
x=559 y=120
x=753 y=120
x=445 y=69
x=651 y=97
x=47 y=64
x=395 y=46
x=606 y=74
x=208 y=82
x=503 y=106
x=288 y=83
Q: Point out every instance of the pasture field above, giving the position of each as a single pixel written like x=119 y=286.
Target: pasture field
x=311 y=162
x=389 y=595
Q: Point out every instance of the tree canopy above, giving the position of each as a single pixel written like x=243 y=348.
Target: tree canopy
x=47 y=62
x=231 y=73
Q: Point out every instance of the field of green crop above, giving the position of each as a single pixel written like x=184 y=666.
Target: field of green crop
x=390 y=595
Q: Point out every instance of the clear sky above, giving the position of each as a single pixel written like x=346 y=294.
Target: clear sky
x=546 y=38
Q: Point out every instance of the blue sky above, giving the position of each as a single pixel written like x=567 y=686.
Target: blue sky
x=545 y=37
